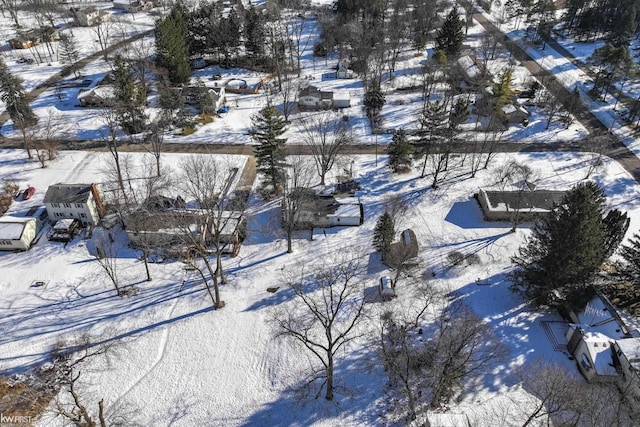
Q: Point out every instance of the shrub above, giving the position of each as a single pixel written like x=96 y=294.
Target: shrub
x=205 y=119
x=188 y=131
x=455 y=258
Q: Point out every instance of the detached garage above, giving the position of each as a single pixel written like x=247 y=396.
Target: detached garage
x=16 y=234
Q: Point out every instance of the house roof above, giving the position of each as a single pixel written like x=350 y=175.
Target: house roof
x=542 y=200
x=11 y=228
x=631 y=349
x=102 y=92
x=315 y=92
x=68 y=193
x=469 y=66
x=599 y=349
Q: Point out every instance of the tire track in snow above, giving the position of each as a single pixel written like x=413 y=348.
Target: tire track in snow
x=82 y=165
x=162 y=347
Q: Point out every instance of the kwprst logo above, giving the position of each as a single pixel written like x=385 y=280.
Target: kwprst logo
x=15 y=419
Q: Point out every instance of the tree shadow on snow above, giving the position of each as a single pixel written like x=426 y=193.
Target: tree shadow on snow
x=516 y=324
x=359 y=383
x=59 y=315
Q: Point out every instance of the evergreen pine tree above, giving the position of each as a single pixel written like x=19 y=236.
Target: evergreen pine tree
x=566 y=249
x=267 y=131
x=68 y=51
x=502 y=90
x=130 y=98
x=399 y=151
x=254 y=33
x=373 y=102
x=616 y=224
x=172 y=47
x=631 y=255
x=451 y=34
x=433 y=129
x=15 y=99
x=383 y=234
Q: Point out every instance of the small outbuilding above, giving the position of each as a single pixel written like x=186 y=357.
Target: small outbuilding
x=387 y=289
x=17 y=234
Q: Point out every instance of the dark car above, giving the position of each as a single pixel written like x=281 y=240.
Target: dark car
x=26 y=195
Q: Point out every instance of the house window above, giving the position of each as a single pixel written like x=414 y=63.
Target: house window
x=83 y=215
x=67 y=205
x=5 y=242
x=55 y=205
x=78 y=205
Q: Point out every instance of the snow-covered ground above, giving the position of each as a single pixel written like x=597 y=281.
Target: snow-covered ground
x=177 y=362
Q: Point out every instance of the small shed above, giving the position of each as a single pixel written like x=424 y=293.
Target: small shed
x=403 y=251
x=17 y=234
x=341 y=99
x=515 y=113
x=343 y=71
x=387 y=289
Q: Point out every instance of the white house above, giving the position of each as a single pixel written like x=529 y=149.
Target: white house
x=17 y=234
x=349 y=212
x=318 y=211
x=313 y=98
x=128 y=5
x=211 y=98
x=79 y=201
x=89 y=16
x=343 y=71
x=99 y=96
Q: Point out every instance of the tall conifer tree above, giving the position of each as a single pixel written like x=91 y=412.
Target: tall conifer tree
x=267 y=131
x=557 y=264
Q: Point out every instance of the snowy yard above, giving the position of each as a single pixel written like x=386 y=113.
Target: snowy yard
x=177 y=362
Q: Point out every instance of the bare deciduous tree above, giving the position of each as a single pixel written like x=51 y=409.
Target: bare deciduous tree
x=110 y=137
x=431 y=368
x=104 y=32
x=47 y=134
x=106 y=254
x=72 y=400
x=324 y=314
x=398 y=338
x=208 y=180
x=296 y=193
x=515 y=179
x=326 y=135
x=288 y=95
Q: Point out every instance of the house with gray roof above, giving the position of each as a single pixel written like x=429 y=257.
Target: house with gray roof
x=530 y=205
x=78 y=201
x=312 y=98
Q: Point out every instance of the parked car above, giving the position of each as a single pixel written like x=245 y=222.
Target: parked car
x=26 y=195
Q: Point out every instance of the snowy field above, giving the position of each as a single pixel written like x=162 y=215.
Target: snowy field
x=179 y=363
